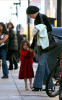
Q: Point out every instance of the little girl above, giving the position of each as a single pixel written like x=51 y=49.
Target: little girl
x=26 y=68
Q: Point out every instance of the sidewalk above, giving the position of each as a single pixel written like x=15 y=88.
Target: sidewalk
x=13 y=88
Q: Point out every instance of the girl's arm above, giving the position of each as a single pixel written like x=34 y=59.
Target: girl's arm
x=24 y=53
x=31 y=54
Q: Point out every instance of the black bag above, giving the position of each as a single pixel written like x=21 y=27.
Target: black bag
x=52 y=43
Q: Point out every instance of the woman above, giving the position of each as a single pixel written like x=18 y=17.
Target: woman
x=19 y=39
x=42 y=70
x=12 y=46
x=3 y=48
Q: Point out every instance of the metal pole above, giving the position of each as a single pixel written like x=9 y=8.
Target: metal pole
x=58 y=13
x=28 y=24
x=61 y=13
x=20 y=2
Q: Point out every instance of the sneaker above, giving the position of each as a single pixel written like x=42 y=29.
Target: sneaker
x=4 y=77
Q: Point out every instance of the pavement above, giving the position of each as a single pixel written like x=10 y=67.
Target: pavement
x=14 y=89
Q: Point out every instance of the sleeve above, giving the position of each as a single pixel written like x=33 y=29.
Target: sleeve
x=47 y=23
x=30 y=54
x=24 y=53
x=11 y=33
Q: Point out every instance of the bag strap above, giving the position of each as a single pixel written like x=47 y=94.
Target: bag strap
x=41 y=18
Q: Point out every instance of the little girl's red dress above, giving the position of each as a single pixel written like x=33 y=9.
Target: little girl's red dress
x=26 y=67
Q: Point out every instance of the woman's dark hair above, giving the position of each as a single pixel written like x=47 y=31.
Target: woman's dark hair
x=4 y=27
x=11 y=24
x=23 y=42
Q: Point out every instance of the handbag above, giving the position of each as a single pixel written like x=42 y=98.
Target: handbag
x=52 y=42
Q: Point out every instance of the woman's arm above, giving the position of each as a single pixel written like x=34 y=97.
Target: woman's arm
x=4 y=39
x=47 y=23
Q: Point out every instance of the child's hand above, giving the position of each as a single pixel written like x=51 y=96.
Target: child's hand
x=27 y=48
x=31 y=50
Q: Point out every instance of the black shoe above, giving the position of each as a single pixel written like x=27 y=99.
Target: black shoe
x=10 y=68
x=43 y=89
x=16 y=68
x=4 y=77
x=37 y=89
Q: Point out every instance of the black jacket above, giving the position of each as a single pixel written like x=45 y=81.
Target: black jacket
x=12 y=45
x=19 y=39
x=38 y=21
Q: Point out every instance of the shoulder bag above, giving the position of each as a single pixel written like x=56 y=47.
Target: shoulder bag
x=52 y=41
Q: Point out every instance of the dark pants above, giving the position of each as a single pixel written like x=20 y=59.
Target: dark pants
x=12 y=59
x=18 y=55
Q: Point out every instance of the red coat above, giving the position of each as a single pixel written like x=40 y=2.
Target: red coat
x=26 y=68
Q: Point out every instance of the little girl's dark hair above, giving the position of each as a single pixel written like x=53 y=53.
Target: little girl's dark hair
x=23 y=42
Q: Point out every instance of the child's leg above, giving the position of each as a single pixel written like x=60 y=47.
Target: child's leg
x=26 y=86
x=30 y=80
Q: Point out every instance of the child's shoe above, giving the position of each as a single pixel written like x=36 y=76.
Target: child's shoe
x=26 y=88
x=31 y=86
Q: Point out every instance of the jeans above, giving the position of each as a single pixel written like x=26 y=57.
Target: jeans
x=3 y=54
x=42 y=72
